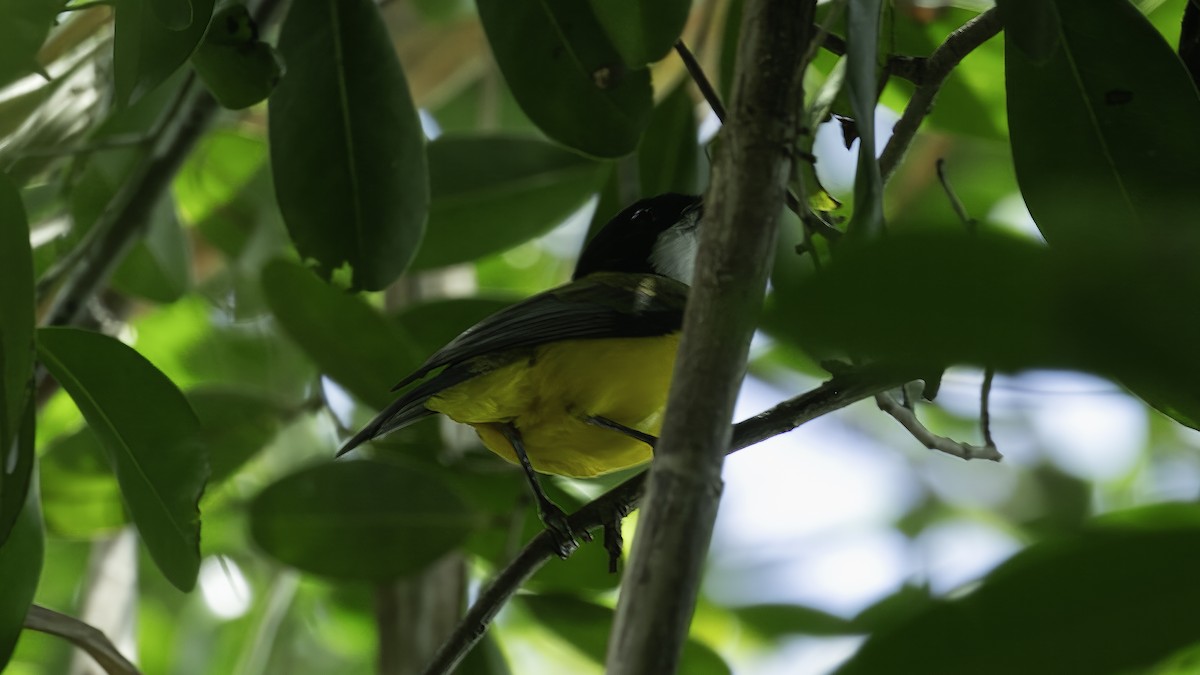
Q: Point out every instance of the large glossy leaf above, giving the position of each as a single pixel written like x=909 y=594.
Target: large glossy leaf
x=491 y=193
x=347 y=150
x=150 y=434
x=350 y=341
x=862 y=42
x=360 y=520
x=1104 y=133
x=1010 y=304
x=238 y=68
x=643 y=31
x=16 y=351
x=1031 y=26
x=25 y=26
x=146 y=51
x=669 y=158
x=20 y=566
x=566 y=74
x=1114 y=599
x=585 y=625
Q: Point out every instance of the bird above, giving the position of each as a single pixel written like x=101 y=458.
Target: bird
x=572 y=381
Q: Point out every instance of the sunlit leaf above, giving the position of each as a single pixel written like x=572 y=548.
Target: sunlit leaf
x=1103 y=132
x=669 y=158
x=585 y=625
x=222 y=165
x=238 y=68
x=524 y=188
x=150 y=433
x=20 y=568
x=643 y=31
x=347 y=150
x=1123 y=598
x=775 y=621
x=81 y=498
x=567 y=75
x=146 y=51
x=24 y=29
x=359 y=520
x=16 y=352
x=350 y=341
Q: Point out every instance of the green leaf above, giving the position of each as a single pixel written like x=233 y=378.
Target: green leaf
x=485 y=658
x=567 y=75
x=146 y=52
x=238 y=68
x=347 y=150
x=585 y=625
x=432 y=324
x=150 y=433
x=491 y=193
x=1103 y=133
x=1031 y=26
x=350 y=341
x=669 y=158
x=643 y=31
x=360 y=520
x=158 y=267
x=24 y=29
x=862 y=43
x=174 y=14
x=20 y=567
x=236 y=425
x=776 y=621
x=218 y=170
x=16 y=351
x=81 y=498
x=1114 y=599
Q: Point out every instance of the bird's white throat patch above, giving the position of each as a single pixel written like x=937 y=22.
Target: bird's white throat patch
x=674 y=253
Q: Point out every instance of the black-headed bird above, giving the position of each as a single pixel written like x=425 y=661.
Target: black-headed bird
x=572 y=381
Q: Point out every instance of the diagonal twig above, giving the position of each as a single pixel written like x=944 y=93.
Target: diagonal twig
x=82 y=635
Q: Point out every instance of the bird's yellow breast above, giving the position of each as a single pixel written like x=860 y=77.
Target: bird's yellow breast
x=549 y=395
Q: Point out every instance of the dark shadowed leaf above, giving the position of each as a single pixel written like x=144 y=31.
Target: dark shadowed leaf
x=485 y=658
x=20 y=567
x=151 y=436
x=1114 y=599
x=360 y=520
x=238 y=68
x=775 y=621
x=585 y=625
x=862 y=41
x=1031 y=26
x=347 y=150
x=349 y=340
x=25 y=26
x=432 y=324
x=669 y=158
x=16 y=352
x=236 y=425
x=567 y=75
x=643 y=31
x=1103 y=132
x=80 y=495
x=479 y=206
x=174 y=14
x=146 y=51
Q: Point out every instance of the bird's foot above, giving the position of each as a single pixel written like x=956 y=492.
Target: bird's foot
x=559 y=527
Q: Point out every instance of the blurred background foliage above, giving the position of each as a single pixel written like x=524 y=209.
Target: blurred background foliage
x=845 y=540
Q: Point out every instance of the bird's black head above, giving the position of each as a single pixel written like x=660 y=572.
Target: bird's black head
x=656 y=235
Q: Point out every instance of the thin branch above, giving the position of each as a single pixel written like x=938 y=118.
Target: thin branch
x=908 y=419
x=701 y=80
x=911 y=68
x=82 y=635
x=939 y=64
x=985 y=414
x=955 y=203
x=839 y=392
